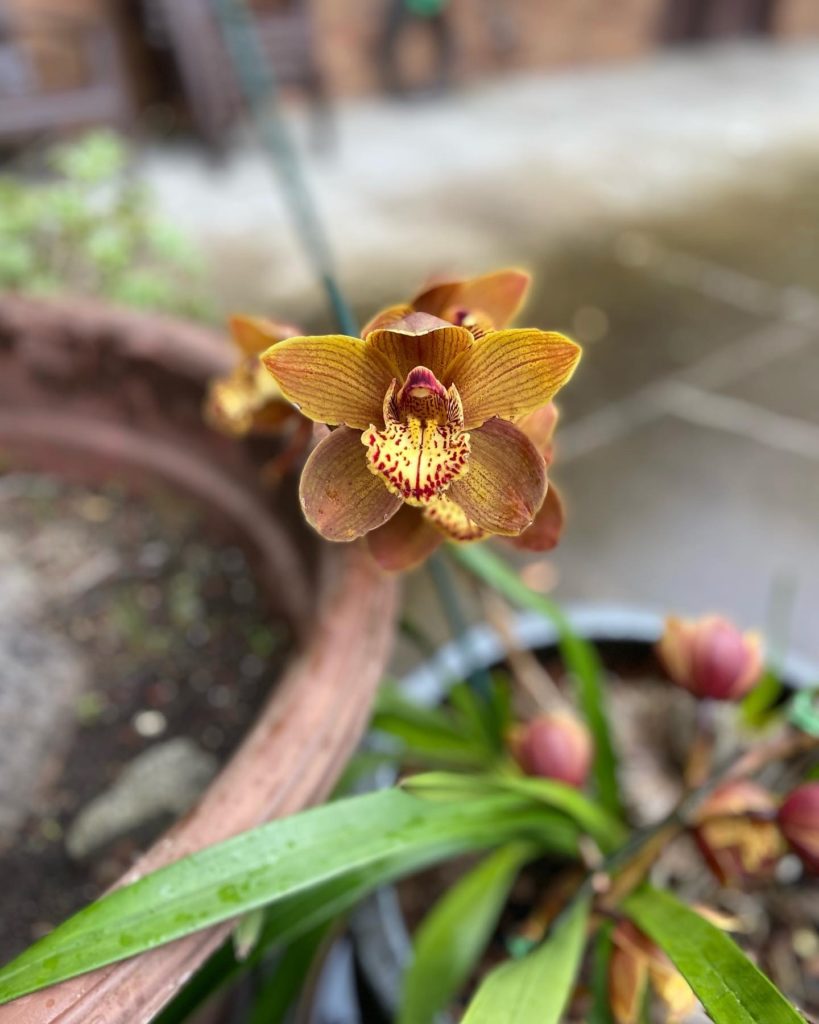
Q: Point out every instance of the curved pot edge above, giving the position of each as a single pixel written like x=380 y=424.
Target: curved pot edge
x=481 y=646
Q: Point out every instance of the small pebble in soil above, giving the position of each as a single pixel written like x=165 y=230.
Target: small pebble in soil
x=149 y=723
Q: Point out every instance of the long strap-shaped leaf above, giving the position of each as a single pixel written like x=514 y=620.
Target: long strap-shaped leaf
x=453 y=935
x=729 y=986
x=275 y=863
x=535 y=990
x=605 y=829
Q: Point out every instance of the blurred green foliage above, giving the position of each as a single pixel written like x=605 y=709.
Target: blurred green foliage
x=88 y=226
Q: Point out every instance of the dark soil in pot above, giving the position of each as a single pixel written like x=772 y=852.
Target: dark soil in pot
x=136 y=646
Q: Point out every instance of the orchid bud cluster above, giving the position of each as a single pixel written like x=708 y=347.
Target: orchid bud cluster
x=741 y=829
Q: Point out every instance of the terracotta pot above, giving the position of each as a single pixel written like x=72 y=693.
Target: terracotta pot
x=90 y=391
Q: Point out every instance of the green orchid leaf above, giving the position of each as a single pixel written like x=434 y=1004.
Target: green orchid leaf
x=580 y=658
x=445 y=785
x=430 y=735
x=606 y=830
x=536 y=989
x=760 y=705
x=270 y=865
x=804 y=711
x=454 y=934
x=729 y=986
x=600 y=1011
x=282 y=986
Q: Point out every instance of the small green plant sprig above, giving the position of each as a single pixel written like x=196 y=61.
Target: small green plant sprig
x=88 y=226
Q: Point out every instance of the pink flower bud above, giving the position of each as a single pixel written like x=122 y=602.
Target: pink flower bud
x=554 y=746
x=711 y=657
x=799 y=821
x=737 y=832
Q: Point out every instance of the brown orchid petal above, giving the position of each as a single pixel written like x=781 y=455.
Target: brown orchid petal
x=511 y=373
x=420 y=340
x=451 y=519
x=386 y=317
x=271 y=419
x=545 y=531
x=331 y=378
x=539 y=426
x=506 y=479
x=254 y=334
x=628 y=980
x=340 y=497
x=498 y=295
x=405 y=541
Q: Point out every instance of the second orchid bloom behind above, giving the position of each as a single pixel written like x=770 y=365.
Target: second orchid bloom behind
x=442 y=426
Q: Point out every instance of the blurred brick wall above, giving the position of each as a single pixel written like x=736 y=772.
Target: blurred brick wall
x=548 y=34
x=798 y=18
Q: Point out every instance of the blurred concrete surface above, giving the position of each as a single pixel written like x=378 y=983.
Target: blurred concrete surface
x=670 y=211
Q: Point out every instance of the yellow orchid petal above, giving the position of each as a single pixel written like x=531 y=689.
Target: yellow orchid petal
x=506 y=482
x=386 y=317
x=498 y=295
x=419 y=340
x=253 y=334
x=423 y=447
x=545 y=531
x=340 y=498
x=672 y=988
x=511 y=373
x=451 y=519
x=331 y=378
x=405 y=541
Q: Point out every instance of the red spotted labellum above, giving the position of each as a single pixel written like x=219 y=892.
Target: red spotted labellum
x=434 y=421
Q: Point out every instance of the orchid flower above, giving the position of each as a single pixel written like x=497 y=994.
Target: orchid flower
x=490 y=302
x=248 y=400
x=433 y=421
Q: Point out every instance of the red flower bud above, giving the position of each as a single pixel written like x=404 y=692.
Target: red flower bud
x=554 y=746
x=737 y=832
x=711 y=657
x=799 y=821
